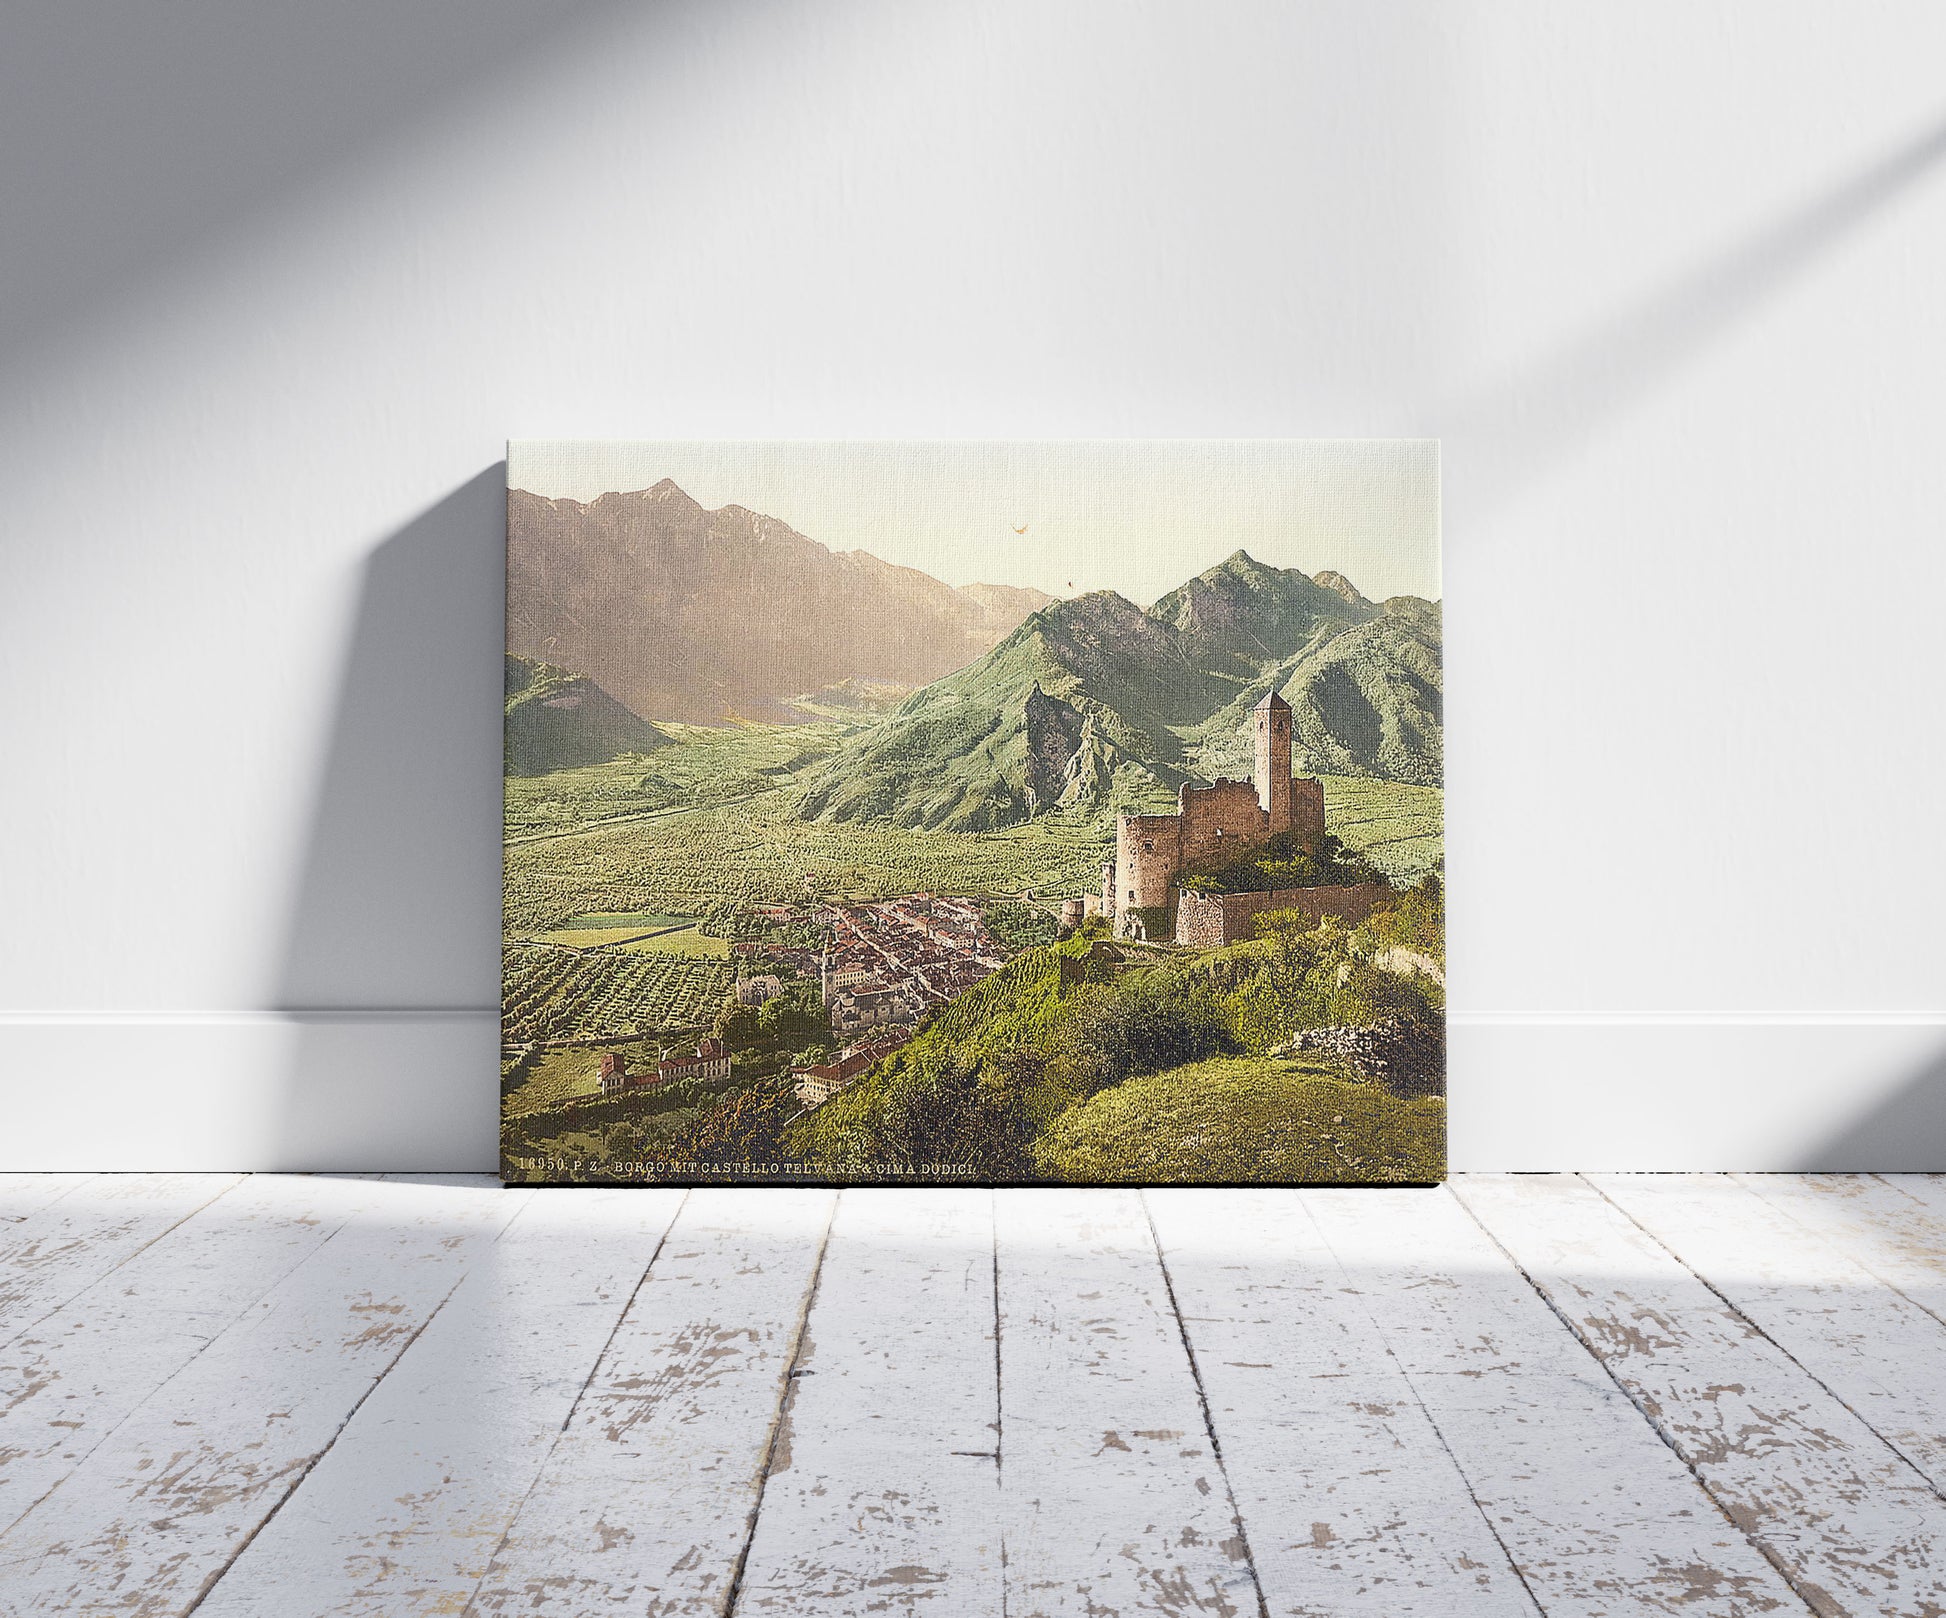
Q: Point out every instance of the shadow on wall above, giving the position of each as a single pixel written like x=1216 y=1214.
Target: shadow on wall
x=1905 y=1133
x=390 y=972
x=135 y=139
x=1512 y=434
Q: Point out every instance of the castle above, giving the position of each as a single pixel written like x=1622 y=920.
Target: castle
x=1215 y=826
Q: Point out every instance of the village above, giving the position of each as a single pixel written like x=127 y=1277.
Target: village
x=889 y=962
x=880 y=967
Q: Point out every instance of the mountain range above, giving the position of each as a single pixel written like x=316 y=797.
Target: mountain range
x=1095 y=702
x=682 y=613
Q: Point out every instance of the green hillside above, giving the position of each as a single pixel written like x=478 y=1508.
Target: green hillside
x=1097 y=704
x=560 y=721
x=1085 y=1060
x=1235 y=1119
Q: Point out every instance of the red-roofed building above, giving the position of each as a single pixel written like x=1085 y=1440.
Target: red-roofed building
x=818 y=1084
x=711 y=1061
x=614 y=1073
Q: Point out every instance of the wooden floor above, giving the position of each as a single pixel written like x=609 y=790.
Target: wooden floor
x=1561 y=1395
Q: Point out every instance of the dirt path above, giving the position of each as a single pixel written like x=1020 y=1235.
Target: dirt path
x=629 y=820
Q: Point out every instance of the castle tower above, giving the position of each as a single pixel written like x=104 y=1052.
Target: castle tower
x=1273 y=719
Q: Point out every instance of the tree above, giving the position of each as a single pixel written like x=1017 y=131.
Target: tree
x=1293 y=948
x=738 y=1026
x=952 y=1119
x=1284 y=862
x=746 y=1127
x=1414 y=918
x=1140 y=1026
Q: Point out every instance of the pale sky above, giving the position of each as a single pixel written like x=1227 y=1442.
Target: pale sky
x=1136 y=516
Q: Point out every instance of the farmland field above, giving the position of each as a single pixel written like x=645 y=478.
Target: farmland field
x=654 y=873
x=1399 y=828
x=705 y=765
x=646 y=908
x=758 y=853
x=554 y=1078
x=566 y=1083
x=680 y=941
x=552 y=994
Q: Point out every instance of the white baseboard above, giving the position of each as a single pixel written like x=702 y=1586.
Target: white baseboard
x=417 y=1090
x=250 y=1090
x=1808 y=1092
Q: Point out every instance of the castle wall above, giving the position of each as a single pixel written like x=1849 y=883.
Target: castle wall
x=1205 y=921
x=1220 y=823
x=1148 y=854
x=1307 y=810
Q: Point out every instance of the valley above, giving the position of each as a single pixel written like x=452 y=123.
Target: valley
x=620 y=931
x=753 y=847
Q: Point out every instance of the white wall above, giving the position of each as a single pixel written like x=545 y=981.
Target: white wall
x=279 y=282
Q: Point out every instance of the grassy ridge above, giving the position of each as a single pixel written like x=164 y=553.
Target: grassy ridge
x=556 y=719
x=1246 y=1119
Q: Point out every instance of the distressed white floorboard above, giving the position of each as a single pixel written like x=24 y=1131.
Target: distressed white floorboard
x=403 y=1514
x=1928 y=1189
x=1350 y=1501
x=22 y=1194
x=1894 y=1224
x=1849 y=1519
x=69 y=1380
x=1113 y=1499
x=883 y=1493
x=1601 y=1518
x=646 y=1502
x=300 y=1396
x=61 y=1248
x=157 y=1511
x=1878 y=1352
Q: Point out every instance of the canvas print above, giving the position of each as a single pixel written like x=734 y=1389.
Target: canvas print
x=973 y=813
